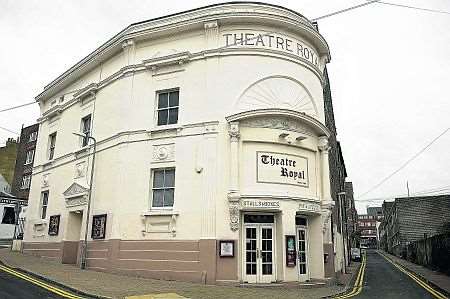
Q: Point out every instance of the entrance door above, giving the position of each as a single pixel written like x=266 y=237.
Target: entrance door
x=259 y=253
x=302 y=260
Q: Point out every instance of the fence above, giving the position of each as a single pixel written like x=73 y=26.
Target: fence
x=431 y=252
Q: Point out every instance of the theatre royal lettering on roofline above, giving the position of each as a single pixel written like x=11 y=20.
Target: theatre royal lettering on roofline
x=272 y=41
x=279 y=168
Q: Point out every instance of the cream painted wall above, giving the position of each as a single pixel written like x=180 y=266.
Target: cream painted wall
x=124 y=125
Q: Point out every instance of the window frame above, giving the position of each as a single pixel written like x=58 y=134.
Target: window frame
x=84 y=140
x=25 y=186
x=4 y=215
x=27 y=162
x=44 y=207
x=152 y=191
x=51 y=147
x=168 y=108
x=32 y=137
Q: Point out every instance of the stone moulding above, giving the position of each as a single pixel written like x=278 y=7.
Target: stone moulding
x=159 y=221
x=76 y=195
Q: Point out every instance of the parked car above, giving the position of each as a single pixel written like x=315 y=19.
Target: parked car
x=356 y=254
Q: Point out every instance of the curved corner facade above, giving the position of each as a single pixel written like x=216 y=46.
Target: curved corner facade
x=211 y=161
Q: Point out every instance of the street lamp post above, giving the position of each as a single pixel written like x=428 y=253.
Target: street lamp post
x=91 y=182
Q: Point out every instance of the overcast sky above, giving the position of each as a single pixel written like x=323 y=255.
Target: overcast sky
x=389 y=75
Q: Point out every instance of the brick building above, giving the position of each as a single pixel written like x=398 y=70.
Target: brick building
x=368 y=227
x=352 y=216
x=414 y=218
x=24 y=162
x=338 y=173
x=8 y=159
x=382 y=230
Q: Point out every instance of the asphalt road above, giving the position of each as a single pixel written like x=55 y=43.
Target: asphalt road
x=12 y=287
x=383 y=280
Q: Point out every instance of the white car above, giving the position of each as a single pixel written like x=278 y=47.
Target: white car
x=356 y=254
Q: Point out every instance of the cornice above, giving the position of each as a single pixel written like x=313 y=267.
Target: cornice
x=252 y=12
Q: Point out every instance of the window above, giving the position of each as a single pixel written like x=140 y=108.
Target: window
x=26 y=180
x=98 y=227
x=168 y=107
x=51 y=146
x=86 y=129
x=44 y=204
x=30 y=156
x=9 y=216
x=32 y=137
x=163 y=188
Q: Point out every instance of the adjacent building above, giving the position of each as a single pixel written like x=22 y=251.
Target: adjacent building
x=413 y=218
x=352 y=216
x=367 y=225
x=7 y=161
x=338 y=174
x=382 y=230
x=376 y=212
x=215 y=143
x=26 y=149
x=8 y=155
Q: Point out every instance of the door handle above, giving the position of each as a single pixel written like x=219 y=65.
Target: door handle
x=258 y=253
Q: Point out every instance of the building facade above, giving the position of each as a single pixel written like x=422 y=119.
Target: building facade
x=8 y=155
x=383 y=228
x=367 y=225
x=211 y=161
x=26 y=149
x=414 y=218
x=338 y=174
x=352 y=216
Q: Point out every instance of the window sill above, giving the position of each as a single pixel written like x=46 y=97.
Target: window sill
x=165 y=127
x=160 y=212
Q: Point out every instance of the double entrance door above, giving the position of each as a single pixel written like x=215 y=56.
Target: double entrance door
x=259 y=261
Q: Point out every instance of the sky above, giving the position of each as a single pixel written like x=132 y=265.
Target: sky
x=389 y=71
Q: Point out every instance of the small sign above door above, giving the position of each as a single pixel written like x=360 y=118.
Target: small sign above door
x=260 y=204
x=279 y=168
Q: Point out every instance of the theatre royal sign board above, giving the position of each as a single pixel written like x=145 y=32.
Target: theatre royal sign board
x=272 y=41
x=279 y=168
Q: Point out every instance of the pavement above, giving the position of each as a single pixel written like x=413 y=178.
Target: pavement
x=119 y=286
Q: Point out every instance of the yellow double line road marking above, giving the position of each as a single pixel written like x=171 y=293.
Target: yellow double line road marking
x=357 y=288
x=43 y=285
x=416 y=279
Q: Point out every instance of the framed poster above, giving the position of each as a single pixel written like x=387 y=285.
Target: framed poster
x=98 y=226
x=291 y=256
x=53 y=225
x=226 y=248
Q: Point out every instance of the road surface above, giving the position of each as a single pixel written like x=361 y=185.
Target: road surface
x=12 y=287
x=384 y=280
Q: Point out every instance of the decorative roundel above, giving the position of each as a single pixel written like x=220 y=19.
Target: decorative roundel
x=163 y=153
x=277 y=92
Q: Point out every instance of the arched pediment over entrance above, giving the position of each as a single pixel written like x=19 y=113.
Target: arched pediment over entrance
x=282 y=119
x=279 y=92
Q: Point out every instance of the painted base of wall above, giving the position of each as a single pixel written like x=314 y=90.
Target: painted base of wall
x=184 y=260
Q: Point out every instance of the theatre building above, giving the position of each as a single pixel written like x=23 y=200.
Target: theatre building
x=211 y=153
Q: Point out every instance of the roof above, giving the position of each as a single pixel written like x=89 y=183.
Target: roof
x=144 y=28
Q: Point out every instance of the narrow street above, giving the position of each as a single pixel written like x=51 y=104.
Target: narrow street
x=383 y=280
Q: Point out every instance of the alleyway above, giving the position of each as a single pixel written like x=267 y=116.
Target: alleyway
x=384 y=280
